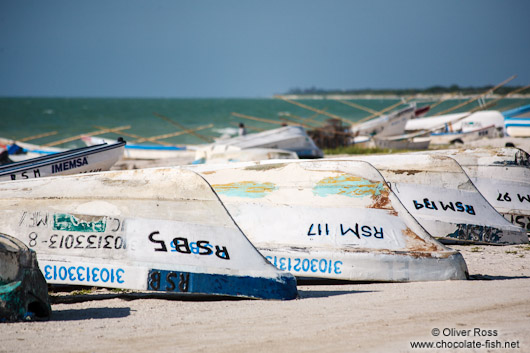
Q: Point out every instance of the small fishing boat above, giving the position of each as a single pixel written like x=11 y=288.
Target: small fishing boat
x=19 y=150
x=517 y=121
x=402 y=143
x=460 y=127
x=148 y=229
x=290 y=138
x=222 y=155
x=330 y=220
x=81 y=160
x=23 y=290
x=387 y=125
x=465 y=135
x=441 y=197
x=146 y=151
x=502 y=175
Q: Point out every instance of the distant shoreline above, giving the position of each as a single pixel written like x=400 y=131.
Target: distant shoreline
x=419 y=96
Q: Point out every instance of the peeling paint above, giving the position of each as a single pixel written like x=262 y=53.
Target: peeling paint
x=407 y=171
x=245 y=189
x=416 y=243
x=263 y=167
x=71 y=223
x=476 y=233
x=348 y=185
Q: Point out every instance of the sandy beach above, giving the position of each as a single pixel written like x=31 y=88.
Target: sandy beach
x=375 y=317
x=490 y=312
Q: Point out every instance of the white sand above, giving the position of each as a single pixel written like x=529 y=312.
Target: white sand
x=380 y=317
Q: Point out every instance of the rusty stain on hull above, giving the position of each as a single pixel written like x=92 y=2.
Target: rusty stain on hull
x=415 y=243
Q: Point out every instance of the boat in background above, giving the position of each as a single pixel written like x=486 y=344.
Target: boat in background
x=517 y=121
x=388 y=131
x=467 y=134
x=81 y=160
x=502 y=175
x=440 y=196
x=291 y=138
x=147 y=151
x=460 y=127
x=227 y=154
x=402 y=143
x=392 y=124
x=19 y=151
x=149 y=229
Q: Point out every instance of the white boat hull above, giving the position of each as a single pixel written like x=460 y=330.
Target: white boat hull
x=290 y=138
x=83 y=160
x=152 y=229
x=332 y=220
x=438 y=193
x=148 y=152
x=502 y=175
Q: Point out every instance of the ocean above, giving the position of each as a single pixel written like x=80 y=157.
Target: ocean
x=25 y=117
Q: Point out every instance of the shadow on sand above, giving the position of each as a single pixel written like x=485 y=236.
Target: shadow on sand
x=89 y=313
x=480 y=277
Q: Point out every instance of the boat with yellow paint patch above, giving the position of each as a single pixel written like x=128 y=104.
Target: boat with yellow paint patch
x=331 y=220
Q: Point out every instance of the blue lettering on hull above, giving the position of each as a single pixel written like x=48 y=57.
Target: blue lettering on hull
x=282 y=287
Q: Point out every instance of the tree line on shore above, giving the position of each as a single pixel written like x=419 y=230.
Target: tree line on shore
x=401 y=91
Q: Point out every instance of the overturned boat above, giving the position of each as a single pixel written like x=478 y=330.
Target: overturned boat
x=517 y=121
x=392 y=124
x=146 y=151
x=23 y=290
x=502 y=175
x=331 y=220
x=150 y=229
x=81 y=160
x=290 y=138
x=438 y=193
x=245 y=155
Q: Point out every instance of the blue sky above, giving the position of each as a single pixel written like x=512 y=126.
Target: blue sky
x=251 y=48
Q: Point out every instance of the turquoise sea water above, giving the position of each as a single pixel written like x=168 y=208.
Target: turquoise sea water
x=23 y=117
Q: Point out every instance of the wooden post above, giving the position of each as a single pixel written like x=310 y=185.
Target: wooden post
x=188 y=131
x=178 y=133
x=93 y=133
x=34 y=137
x=263 y=120
x=323 y=112
x=358 y=106
x=491 y=90
x=384 y=110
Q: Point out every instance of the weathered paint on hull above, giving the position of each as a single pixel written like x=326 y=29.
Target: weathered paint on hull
x=23 y=290
x=330 y=219
x=439 y=194
x=158 y=229
x=502 y=175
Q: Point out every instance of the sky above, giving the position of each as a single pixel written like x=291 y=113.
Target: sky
x=254 y=48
